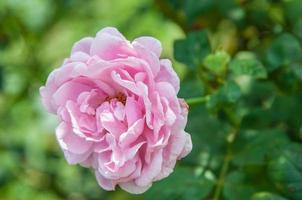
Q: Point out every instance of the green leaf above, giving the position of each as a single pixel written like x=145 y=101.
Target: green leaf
x=191 y=87
x=285 y=171
x=285 y=49
x=195 y=8
x=192 y=50
x=267 y=196
x=298 y=29
x=248 y=66
x=292 y=10
x=217 y=62
x=235 y=187
x=254 y=147
x=228 y=94
x=181 y=184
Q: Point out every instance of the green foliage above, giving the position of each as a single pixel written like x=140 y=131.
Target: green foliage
x=236 y=187
x=217 y=62
x=193 y=49
x=251 y=91
x=284 y=51
x=286 y=171
x=190 y=187
x=227 y=94
x=266 y=196
x=241 y=58
x=247 y=66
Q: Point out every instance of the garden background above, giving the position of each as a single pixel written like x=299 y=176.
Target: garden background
x=242 y=59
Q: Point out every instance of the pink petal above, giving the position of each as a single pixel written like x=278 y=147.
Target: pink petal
x=106 y=184
x=83 y=45
x=132 y=133
x=129 y=85
x=151 y=44
x=119 y=111
x=148 y=106
x=76 y=149
x=47 y=92
x=150 y=171
x=172 y=153
x=79 y=56
x=109 y=46
x=70 y=141
x=188 y=146
x=167 y=74
x=133 y=110
x=69 y=91
x=111 y=31
x=148 y=56
x=133 y=188
x=109 y=122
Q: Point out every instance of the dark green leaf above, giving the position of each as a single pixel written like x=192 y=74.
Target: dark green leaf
x=182 y=184
x=228 y=94
x=286 y=171
x=284 y=50
x=258 y=145
x=193 y=49
x=195 y=8
x=235 y=187
x=298 y=29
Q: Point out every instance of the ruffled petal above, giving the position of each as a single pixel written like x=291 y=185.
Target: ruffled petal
x=76 y=149
x=151 y=44
x=110 y=44
x=133 y=188
x=167 y=74
x=150 y=171
x=106 y=184
x=82 y=46
x=132 y=133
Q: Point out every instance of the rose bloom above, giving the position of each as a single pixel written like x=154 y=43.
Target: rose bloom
x=118 y=110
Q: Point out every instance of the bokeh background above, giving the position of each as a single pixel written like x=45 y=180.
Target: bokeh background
x=244 y=55
x=35 y=37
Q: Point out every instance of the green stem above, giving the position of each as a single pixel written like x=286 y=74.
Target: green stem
x=226 y=162
x=197 y=100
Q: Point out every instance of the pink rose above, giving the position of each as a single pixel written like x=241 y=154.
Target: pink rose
x=118 y=110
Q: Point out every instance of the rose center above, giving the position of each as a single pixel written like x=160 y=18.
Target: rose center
x=121 y=97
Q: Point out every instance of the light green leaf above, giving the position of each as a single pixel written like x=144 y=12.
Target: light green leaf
x=267 y=196
x=217 y=62
x=247 y=66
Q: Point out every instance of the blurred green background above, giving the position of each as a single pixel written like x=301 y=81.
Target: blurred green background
x=35 y=37
x=245 y=56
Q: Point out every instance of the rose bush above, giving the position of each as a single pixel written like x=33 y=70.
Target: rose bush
x=118 y=109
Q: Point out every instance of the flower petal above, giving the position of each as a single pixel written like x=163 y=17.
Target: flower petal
x=83 y=45
x=167 y=74
x=106 y=184
x=150 y=171
x=151 y=44
x=132 y=133
x=133 y=188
